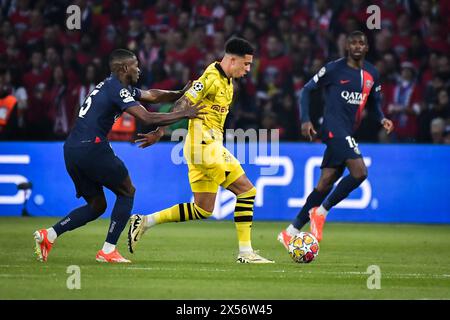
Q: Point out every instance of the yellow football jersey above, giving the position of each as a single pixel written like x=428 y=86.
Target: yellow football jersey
x=215 y=91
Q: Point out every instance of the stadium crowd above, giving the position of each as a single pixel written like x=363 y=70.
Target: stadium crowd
x=49 y=69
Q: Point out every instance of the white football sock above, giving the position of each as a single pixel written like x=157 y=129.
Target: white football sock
x=149 y=221
x=245 y=247
x=322 y=211
x=51 y=235
x=292 y=230
x=108 y=247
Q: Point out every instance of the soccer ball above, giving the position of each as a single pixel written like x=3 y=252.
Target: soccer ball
x=303 y=247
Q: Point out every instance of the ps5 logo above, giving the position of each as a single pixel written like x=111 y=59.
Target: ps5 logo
x=16 y=179
x=314 y=162
x=226 y=200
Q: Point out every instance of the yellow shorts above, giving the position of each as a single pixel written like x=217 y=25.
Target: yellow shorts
x=211 y=166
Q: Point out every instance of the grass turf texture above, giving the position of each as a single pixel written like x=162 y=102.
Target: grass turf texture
x=196 y=260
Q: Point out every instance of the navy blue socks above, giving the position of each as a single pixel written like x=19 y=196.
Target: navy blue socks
x=75 y=219
x=343 y=189
x=314 y=199
x=119 y=218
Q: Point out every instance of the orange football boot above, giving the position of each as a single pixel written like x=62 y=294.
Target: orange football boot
x=43 y=245
x=113 y=257
x=317 y=222
x=284 y=237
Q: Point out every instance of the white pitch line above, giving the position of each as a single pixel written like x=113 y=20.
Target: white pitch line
x=19 y=275
x=176 y=269
x=337 y=273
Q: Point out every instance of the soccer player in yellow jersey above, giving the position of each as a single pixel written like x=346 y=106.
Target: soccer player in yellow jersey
x=210 y=164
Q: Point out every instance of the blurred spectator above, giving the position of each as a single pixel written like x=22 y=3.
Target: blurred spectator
x=135 y=28
x=417 y=52
x=405 y=105
x=38 y=74
x=8 y=108
x=39 y=124
x=447 y=135
x=438 y=109
x=149 y=52
x=88 y=83
x=401 y=39
x=320 y=24
x=288 y=116
x=275 y=68
x=176 y=40
x=437 y=130
x=13 y=54
x=19 y=15
x=62 y=102
x=434 y=39
x=21 y=95
x=389 y=14
x=35 y=30
x=244 y=114
x=160 y=17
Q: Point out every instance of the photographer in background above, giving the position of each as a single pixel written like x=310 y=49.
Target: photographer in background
x=8 y=108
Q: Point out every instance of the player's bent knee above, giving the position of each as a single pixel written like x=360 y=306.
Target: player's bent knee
x=325 y=186
x=98 y=205
x=202 y=213
x=131 y=192
x=251 y=193
x=360 y=177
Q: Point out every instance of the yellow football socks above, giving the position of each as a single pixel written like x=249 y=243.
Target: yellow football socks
x=243 y=217
x=181 y=212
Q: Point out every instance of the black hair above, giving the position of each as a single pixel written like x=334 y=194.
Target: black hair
x=119 y=55
x=238 y=46
x=357 y=33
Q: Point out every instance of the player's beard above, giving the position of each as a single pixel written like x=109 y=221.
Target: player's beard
x=357 y=57
x=132 y=80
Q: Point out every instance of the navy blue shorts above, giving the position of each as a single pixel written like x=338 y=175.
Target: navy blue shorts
x=338 y=151
x=93 y=167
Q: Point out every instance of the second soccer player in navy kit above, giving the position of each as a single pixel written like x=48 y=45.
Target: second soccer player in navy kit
x=348 y=84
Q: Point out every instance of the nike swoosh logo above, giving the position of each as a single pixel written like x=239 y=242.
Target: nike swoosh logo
x=344 y=81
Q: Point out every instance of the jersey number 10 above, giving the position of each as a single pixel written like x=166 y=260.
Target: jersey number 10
x=351 y=142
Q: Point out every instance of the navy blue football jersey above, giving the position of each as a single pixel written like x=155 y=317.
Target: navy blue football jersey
x=346 y=92
x=100 y=109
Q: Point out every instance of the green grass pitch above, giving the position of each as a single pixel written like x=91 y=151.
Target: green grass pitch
x=196 y=260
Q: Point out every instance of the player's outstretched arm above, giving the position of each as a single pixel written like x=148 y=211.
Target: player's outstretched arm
x=147 y=139
x=160 y=96
x=163 y=119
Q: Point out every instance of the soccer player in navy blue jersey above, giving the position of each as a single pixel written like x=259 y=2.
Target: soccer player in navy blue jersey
x=348 y=83
x=90 y=160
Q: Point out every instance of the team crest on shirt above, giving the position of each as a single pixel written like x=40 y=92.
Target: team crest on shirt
x=369 y=83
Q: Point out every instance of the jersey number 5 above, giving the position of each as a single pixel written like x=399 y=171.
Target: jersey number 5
x=87 y=104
